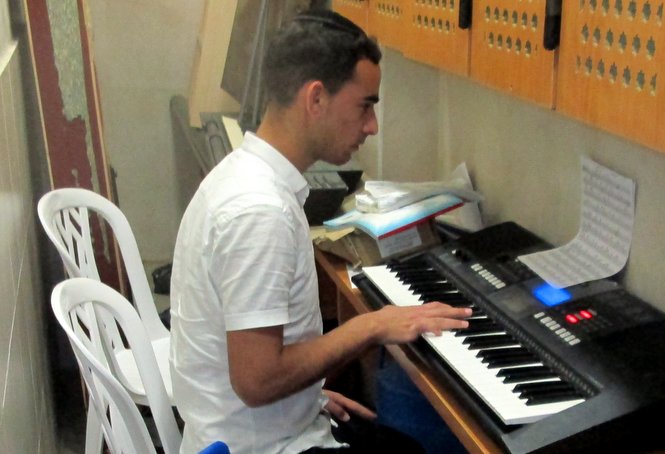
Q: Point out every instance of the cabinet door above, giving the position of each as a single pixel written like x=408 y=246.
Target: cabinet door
x=611 y=57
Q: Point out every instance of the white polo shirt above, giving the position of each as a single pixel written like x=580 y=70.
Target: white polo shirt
x=244 y=259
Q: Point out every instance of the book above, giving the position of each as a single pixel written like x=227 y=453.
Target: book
x=382 y=225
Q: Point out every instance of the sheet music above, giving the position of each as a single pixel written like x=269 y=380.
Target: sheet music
x=600 y=248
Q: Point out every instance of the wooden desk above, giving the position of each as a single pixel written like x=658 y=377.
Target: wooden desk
x=350 y=302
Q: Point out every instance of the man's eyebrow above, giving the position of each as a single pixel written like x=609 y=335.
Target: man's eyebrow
x=372 y=98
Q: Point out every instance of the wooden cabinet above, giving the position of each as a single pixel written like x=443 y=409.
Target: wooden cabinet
x=601 y=66
x=610 y=60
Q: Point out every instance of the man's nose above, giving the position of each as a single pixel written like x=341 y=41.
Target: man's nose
x=372 y=125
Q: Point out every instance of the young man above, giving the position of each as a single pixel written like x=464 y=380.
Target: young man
x=248 y=355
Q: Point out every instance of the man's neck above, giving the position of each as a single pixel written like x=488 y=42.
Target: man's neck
x=285 y=128
x=277 y=129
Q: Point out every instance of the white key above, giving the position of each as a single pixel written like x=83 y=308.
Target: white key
x=497 y=395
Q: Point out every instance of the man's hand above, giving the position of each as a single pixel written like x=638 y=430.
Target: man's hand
x=339 y=406
x=263 y=369
x=404 y=324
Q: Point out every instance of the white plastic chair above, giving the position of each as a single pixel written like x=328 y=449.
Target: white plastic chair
x=93 y=315
x=66 y=216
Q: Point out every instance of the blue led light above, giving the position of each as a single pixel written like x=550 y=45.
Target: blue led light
x=551 y=296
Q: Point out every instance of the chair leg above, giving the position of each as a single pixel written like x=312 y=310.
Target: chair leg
x=94 y=436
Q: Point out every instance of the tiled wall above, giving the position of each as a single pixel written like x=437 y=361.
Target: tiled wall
x=26 y=412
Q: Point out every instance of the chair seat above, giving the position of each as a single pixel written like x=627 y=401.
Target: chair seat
x=128 y=368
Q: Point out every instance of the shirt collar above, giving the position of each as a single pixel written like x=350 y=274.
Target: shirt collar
x=276 y=160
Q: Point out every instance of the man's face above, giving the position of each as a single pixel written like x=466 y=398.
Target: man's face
x=350 y=116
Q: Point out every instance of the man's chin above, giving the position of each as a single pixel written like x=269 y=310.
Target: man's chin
x=348 y=155
x=339 y=160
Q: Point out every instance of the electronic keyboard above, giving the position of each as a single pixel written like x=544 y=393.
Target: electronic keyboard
x=542 y=369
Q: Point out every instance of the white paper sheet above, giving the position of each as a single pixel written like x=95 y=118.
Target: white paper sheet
x=466 y=217
x=600 y=248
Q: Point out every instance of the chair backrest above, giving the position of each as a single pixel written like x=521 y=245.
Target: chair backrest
x=65 y=215
x=84 y=307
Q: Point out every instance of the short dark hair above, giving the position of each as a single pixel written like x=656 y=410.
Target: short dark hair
x=316 y=45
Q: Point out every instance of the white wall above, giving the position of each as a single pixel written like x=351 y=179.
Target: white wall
x=26 y=412
x=143 y=53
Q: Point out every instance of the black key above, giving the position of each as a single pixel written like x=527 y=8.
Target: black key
x=431 y=283
x=516 y=360
x=419 y=275
x=422 y=287
x=425 y=284
x=502 y=357
x=415 y=274
x=480 y=326
x=521 y=374
x=553 y=397
x=502 y=352
x=450 y=294
x=455 y=294
x=454 y=299
x=543 y=386
x=491 y=340
x=547 y=392
x=483 y=322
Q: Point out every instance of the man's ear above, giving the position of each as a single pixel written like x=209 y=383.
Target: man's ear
x=315 y=97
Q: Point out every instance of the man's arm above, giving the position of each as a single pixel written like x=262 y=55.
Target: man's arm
x=264 y=370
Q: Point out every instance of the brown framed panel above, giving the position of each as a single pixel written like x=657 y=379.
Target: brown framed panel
x=354 y=10
x=434 y=36
x=507 y=49
x=73 y=130
x=610 y=62
x=386 y=22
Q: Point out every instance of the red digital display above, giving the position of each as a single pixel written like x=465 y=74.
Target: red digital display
x=586 y=314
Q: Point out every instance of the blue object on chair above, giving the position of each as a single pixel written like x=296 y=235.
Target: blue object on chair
x=218 y=447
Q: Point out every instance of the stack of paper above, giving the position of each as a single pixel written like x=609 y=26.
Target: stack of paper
x=384 y=196
x=381 y=225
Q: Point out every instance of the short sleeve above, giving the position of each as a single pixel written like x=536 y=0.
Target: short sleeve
x=253 y=267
